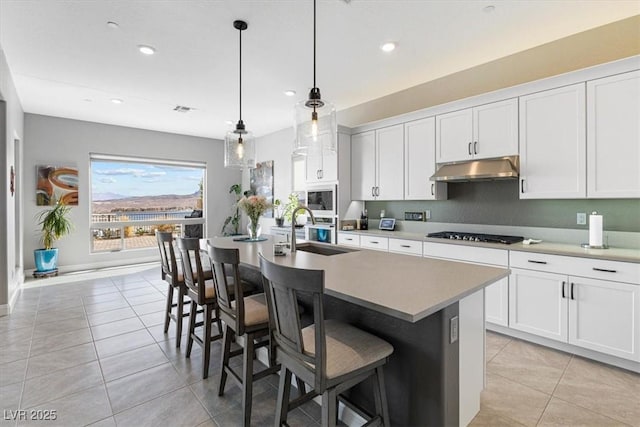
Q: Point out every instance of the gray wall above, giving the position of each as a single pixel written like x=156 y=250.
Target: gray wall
x=58 y=141
x=11 y=129
x=497 y=203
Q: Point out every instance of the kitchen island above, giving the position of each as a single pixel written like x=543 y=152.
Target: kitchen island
x=430 y=310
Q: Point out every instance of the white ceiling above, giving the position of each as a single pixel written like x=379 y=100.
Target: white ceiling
x=66 y=62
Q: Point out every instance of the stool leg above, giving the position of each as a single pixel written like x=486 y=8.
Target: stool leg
x=181 y=293
x=226 y=349
x=329 y=408
x=247 y=381
x=206 y=340
x=380 y=394
x=302 y=389
x=192 y=326
x=284 y=391
x=167 y=317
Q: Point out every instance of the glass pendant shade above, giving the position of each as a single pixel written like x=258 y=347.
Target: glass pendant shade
x=315 y=134
x=239 y=150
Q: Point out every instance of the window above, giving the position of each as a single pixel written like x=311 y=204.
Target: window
x=131 y=198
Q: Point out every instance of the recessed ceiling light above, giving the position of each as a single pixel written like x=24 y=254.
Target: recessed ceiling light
x=117 y=100
x=147 y=50
x=113 y=25
x=489 y=9
x=290 y=92
x=388 y=47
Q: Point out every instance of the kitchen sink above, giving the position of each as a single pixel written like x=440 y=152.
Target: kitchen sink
x=323 y=249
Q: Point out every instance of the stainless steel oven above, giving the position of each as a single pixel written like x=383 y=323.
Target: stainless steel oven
x=322 y=200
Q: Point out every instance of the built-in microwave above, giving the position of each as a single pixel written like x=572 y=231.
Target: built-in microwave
x=322 y=200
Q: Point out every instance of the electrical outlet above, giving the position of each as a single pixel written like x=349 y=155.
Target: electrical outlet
x=581 y=218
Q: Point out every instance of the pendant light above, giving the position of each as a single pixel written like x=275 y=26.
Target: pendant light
x=239 y=145
x=315 y=127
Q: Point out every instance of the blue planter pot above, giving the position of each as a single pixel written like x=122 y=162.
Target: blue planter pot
x=46 y=259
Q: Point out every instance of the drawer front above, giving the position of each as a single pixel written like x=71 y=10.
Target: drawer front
x=616 y=271
x=348 y=239
x=466 y=253
x=373 y=242
x=411 y=247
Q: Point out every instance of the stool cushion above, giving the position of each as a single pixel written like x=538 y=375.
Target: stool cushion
x=209 y=291
x=348 y=348
x=255 y=310
x=208 y=275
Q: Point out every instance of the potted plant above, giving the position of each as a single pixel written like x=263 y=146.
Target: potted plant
x=231 y=225
x=292 y=204
x=277 y=212
x=54 y=224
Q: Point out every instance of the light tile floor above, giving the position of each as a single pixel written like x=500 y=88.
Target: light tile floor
x=94 y=351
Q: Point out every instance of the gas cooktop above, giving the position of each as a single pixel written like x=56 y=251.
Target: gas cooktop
x=476 y=237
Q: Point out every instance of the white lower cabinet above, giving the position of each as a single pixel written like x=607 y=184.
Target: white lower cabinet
x=348 y=239
x=592 y=313
x=604 y=316
x=403 y=246
x=374 y=242
x=496 y=302
x=537 y=304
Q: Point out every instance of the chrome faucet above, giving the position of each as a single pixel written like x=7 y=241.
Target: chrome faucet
x=293 y=224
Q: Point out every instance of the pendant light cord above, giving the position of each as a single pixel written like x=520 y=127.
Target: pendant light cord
x=314 y=44
x=240 y=72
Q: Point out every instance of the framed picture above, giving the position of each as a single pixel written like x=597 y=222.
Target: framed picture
x=55 y=183
x=261 y=183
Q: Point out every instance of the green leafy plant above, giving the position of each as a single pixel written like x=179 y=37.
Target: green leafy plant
x=54 y=223
x=232 y=223
x=292 y=203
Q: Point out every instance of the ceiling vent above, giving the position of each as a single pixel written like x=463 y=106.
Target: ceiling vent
x=182 y=109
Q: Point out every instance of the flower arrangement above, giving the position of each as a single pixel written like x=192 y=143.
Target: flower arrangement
x=254 y=207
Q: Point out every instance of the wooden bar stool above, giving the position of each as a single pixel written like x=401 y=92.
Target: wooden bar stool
x=171 y=272
x=245 y=317
x=331 y=356
x=202 y=294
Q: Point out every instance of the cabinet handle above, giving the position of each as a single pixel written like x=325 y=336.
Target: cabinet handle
x=374 y=242
x=377 y=191
x=563 y=285
x=405 y=246
x=604 y=270
x=433 y=185
x=373 y=191
x=469 y=149
x=536 y=262
x=522 y=185
x=572 y=286
x=346 y=238
x=475 y=147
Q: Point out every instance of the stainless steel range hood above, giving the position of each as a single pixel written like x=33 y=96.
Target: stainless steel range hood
x=476 y=170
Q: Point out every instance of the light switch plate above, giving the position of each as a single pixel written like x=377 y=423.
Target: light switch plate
x=453 y=330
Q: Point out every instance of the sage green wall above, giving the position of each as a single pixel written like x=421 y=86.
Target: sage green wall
x=497 y=203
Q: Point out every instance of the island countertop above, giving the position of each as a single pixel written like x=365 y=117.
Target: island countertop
x=406 y=287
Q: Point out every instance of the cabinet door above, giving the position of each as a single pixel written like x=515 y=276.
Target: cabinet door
x=495 y=129
x=536 y=303
x=390 y=161
x=553 y=144
x=420 y=161
x=363 y=163
x=454 y=136
x=313 y=165
x=496 y=302
x=613 y=132
x=604 y=316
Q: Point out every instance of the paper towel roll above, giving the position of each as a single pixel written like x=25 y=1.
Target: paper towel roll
x=595 y=230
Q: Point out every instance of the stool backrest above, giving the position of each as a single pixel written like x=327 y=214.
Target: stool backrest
x=282 y=285
x=225 y=265
x=167 y=256
x=192 y=268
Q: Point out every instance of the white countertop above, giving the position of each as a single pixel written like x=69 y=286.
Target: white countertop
x=409 y=288
x=612 y=254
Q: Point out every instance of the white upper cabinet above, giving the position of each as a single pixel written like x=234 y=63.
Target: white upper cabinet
x=377 y=161
x=363 y=166
x=553 y=144
x=322 y=168
x=420 y=162
x=482 y=132
x=390 y=163
x=613 y=136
